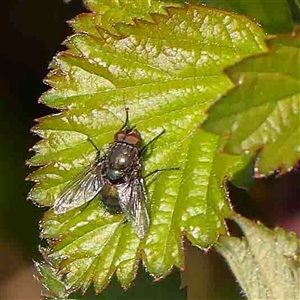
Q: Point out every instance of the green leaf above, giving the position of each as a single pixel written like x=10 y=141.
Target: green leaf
x=144 y=288
x=266 y=262
x=274 y=16
x=268 y=94
x=51 y=281
x=106 y=14
x=297 y=3
x=93 y=245
x=167 y=72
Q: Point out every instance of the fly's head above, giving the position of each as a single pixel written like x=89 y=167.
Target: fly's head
x=128 y=136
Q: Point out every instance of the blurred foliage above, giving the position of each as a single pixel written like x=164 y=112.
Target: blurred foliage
x=266 y=262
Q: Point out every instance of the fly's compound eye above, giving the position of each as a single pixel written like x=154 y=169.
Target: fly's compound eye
x=133 y=138
x=129 y=137
x=120 y=136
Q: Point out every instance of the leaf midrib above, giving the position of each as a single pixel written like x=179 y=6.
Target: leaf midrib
x=132 y=87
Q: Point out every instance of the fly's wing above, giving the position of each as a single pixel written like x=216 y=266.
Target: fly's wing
x=132 y=200
x=82 y=189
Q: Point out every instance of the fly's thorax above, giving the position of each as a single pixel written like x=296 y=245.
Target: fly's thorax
x=121 y=158
x=114 y=174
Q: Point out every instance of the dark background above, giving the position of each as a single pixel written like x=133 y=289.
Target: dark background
x=31 y=33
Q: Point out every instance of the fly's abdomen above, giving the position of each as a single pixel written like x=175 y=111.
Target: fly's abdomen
x=109 y=197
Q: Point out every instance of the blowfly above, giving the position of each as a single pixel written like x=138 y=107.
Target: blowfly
x=117 y=178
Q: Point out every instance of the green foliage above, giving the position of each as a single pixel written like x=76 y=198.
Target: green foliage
x=168 y=73
x=267 y=92
x=51 y=281
x=144 y=288
x=106 y=14
x=273 y=16
x=266 y=262
x=166 y=64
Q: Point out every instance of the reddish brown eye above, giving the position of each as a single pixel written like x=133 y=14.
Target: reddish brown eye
x=129 y=137
x=120 y=136
x=132 y=139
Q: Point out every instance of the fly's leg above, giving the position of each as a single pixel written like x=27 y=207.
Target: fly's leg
x=152 y=141
x=158 y=171
x=161 y=170
x=126 y=120
x=95 y=146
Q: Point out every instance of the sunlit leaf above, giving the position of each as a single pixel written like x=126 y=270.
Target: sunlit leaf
x=273 y=16
x=268 y=94
x=168 y=72
x=107 y=13
x=143 y=288
x=266 y=262
x=51 y=281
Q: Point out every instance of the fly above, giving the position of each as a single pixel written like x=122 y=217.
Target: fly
x=117 y=178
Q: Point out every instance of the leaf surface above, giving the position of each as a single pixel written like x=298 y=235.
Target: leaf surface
x=106 y=14
x=168 y=72
x=266 y=262
x=268 y=94
x=274 y=16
